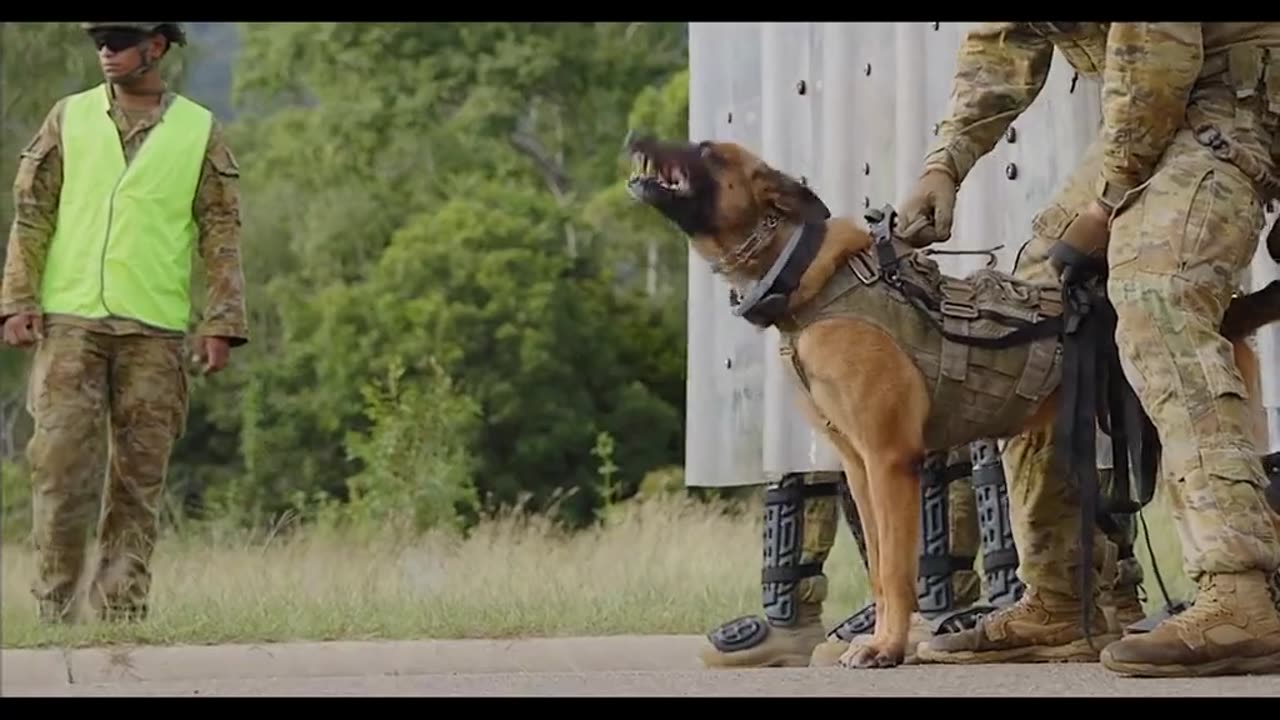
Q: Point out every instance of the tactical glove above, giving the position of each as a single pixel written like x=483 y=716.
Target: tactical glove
x=925 y=217
x=1082 y=250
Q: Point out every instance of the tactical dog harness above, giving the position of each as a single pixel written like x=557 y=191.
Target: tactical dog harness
x=987 y=345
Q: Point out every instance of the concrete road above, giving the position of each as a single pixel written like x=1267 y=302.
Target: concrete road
x=645 y=666
x=1024 y=681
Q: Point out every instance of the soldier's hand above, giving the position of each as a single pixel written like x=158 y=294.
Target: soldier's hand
x=214 y=354
x=1083 y=246
x=925 y=216
x=23 y=329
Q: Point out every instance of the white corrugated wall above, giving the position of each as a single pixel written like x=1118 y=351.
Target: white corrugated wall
x=851 y=108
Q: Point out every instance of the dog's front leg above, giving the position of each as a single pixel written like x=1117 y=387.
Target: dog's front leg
x=895 y=496
x=856 y=476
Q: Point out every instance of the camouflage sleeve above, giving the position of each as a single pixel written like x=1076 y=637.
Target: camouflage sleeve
x=217 y=213
x=1001 y=68
x=36 y=188
x=1150 y=70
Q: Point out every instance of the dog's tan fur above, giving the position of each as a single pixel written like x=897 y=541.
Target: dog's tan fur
x=859 y=378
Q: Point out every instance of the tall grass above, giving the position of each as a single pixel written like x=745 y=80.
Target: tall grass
x=668 y=564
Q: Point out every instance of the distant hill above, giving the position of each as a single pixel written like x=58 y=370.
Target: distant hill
x=213 y=48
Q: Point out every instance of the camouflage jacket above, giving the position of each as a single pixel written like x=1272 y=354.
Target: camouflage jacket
x=1147 y=72
x=216 y=209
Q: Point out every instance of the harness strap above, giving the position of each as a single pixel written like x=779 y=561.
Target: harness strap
x=944 y=564
x=1074 y=434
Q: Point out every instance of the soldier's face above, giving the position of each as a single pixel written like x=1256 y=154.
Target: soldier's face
x=120 y=50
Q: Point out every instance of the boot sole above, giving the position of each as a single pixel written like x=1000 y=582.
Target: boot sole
x=720 y=662
x=1077 y=651
x=1265 y=665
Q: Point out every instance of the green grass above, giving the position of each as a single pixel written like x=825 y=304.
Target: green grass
x=669 y=565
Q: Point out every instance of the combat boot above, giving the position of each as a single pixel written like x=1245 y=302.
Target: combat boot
x=800 y=519
x=1043 y=626
x=1232 y=628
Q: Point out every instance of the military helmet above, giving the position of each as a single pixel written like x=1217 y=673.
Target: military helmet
x=171 y=30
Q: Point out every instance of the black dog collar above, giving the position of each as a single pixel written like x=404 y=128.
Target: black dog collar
x=766 y=301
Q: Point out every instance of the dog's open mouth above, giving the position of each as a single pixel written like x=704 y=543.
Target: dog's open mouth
x=650 y=176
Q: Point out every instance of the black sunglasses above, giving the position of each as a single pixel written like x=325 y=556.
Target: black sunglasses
x=117 y=39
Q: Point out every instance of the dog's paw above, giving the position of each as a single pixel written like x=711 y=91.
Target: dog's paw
x=870 y=655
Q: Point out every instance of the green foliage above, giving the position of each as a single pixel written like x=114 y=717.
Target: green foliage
x=439 y=209
x=417 y=465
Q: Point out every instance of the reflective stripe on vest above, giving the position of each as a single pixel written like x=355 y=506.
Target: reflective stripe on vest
x=125 y=235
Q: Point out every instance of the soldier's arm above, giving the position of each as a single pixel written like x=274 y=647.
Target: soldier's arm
x=1001 y=68
x=36 y=190
x=1151 y=69
x=217 y=213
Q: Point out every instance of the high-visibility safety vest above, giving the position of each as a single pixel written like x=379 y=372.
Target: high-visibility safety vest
x=125 y=236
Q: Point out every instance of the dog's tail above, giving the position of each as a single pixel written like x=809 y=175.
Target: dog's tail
x=1247 y=313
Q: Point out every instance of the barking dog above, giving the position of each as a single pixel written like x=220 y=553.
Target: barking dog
x=895 y=358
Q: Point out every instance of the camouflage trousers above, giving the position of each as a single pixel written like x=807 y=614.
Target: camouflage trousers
x=1173 y=256
x=107 y=408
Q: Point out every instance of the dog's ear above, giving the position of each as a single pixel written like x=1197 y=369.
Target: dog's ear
x=790 y=196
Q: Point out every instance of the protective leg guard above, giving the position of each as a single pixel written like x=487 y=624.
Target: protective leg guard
x=999 y=554
x=800 y=519
x=947 y=585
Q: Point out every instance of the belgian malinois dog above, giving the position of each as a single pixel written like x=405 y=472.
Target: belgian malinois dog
x=863 y=391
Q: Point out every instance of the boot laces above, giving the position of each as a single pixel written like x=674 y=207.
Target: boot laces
x=1206 y=608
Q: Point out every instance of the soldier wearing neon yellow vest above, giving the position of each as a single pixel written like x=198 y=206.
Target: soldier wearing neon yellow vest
x=122 y=186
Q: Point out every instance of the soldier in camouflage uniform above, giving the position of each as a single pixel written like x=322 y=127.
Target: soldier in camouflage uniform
x=1172 y=194
x=97 y=279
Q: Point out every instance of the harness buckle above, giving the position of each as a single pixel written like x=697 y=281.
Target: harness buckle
x=957 y=299
x=962 y=310
x=1050 y=304
x=864 y=269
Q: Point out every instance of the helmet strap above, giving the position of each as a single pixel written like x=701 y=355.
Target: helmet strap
x=146 y=64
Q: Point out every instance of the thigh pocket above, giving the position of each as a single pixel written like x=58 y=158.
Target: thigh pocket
x=1222 y=375
x=1217 y=233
